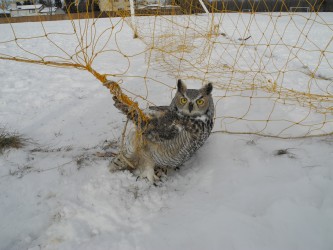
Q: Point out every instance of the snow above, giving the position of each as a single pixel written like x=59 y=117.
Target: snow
x=237 y=192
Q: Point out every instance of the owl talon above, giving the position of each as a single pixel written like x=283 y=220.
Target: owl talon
x=156 y=178
x=161 y=171
x=149 y=174
x=153 y=178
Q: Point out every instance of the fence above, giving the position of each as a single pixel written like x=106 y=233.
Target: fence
x=84 y=15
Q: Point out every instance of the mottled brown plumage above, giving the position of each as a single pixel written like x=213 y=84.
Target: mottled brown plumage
x=172 y=135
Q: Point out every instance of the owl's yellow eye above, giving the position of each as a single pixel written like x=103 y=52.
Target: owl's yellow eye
x=200 y=102
x=183 y=100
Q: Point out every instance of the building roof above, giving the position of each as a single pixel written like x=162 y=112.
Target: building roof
x=48 y=9
x=27 y=7
x=157 y=6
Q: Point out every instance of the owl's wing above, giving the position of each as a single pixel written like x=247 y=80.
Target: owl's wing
x=160 y=108
x=130 y=113
x=157 y=111
x=164 y=125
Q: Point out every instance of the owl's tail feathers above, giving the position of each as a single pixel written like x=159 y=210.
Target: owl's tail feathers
x=132 y=112
x=120 y=163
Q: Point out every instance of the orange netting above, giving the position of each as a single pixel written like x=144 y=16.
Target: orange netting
x=272 y=58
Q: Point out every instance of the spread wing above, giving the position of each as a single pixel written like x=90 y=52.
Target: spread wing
x=129 y=112
x=164 y=124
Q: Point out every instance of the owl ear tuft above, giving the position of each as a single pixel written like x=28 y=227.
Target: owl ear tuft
x=181 y=87
x=208 y=88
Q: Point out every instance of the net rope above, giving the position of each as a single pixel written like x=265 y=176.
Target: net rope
x=273 y=70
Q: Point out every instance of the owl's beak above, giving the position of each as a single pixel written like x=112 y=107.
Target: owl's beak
x=190 y=107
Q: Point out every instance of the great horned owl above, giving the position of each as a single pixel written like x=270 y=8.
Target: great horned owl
x=172 y=135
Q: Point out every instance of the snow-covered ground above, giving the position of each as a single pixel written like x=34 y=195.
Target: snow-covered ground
x=238 y=192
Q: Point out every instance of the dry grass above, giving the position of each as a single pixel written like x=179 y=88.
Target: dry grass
x=10 y=140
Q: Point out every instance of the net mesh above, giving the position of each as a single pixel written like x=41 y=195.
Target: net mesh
x=272 y=65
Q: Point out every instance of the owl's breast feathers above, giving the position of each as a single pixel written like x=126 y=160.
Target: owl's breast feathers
x=167 y=124
x=173 y=137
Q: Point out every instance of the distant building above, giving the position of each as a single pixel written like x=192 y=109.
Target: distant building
x=51 y=11
x=156 y=6
x=267 y=5
x=33 y=10
x=114 y=5
x=24 y=10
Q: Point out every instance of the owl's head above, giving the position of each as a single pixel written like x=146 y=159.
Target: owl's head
x=193 y=102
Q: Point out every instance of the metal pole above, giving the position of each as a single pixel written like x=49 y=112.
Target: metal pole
x=204 y=6
x=132 y=15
